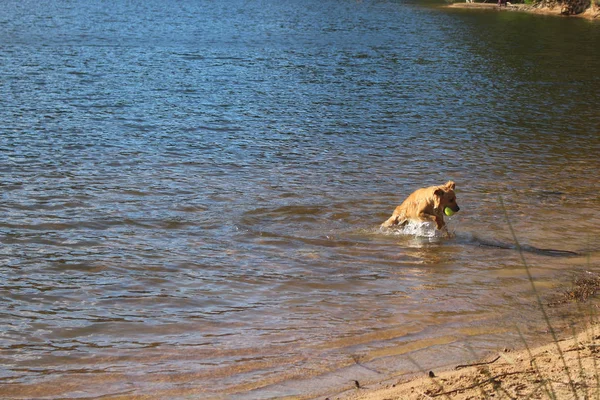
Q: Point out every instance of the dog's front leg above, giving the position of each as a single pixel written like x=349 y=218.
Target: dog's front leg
x=439 y=221
x=393 y=220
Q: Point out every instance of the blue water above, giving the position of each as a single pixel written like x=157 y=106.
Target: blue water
x=192 y=190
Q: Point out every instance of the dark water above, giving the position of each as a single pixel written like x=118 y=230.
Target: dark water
x=192 y=190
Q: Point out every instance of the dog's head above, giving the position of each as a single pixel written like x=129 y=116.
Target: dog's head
x=445 y=197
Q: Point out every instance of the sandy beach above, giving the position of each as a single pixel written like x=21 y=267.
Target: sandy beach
x=566 y=369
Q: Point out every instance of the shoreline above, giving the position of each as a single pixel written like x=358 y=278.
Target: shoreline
x=589 y=13
x=538 y=372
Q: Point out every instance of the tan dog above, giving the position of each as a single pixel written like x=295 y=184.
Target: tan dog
x=426 y=204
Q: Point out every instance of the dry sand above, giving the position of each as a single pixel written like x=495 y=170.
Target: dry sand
x=538 y=373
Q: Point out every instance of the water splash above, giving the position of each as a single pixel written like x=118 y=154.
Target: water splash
x=420 y=229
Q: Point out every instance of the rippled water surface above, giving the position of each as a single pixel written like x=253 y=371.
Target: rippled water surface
x=192 y=190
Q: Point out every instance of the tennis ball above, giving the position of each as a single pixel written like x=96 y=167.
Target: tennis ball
x=448 y=211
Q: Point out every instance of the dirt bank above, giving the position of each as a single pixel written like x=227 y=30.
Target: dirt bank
x=593 y=14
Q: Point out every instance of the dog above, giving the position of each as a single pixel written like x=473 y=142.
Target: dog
x=425 y=204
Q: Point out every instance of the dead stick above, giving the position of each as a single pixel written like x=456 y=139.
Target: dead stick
x=476 y=364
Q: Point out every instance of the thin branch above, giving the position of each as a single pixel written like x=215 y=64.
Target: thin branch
x=476 y=364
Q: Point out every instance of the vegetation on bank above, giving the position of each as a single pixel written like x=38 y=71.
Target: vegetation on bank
x=587 y=8
x=570 y=7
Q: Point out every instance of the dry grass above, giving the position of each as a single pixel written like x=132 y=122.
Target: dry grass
x=585 y=286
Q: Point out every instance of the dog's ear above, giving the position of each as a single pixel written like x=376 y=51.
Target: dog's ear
x=450 y=185
x=438 y=195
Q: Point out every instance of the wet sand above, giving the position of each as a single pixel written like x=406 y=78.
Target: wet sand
x=566 y=369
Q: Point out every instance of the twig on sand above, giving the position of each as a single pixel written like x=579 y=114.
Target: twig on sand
x=476 y=364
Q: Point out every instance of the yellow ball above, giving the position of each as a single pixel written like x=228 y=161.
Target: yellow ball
x=448 y=211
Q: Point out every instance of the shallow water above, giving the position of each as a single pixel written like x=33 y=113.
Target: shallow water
x=192 y=191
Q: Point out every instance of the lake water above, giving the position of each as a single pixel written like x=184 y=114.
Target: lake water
x=192 y=190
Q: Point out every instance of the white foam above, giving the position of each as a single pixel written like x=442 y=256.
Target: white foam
x=419 y=229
